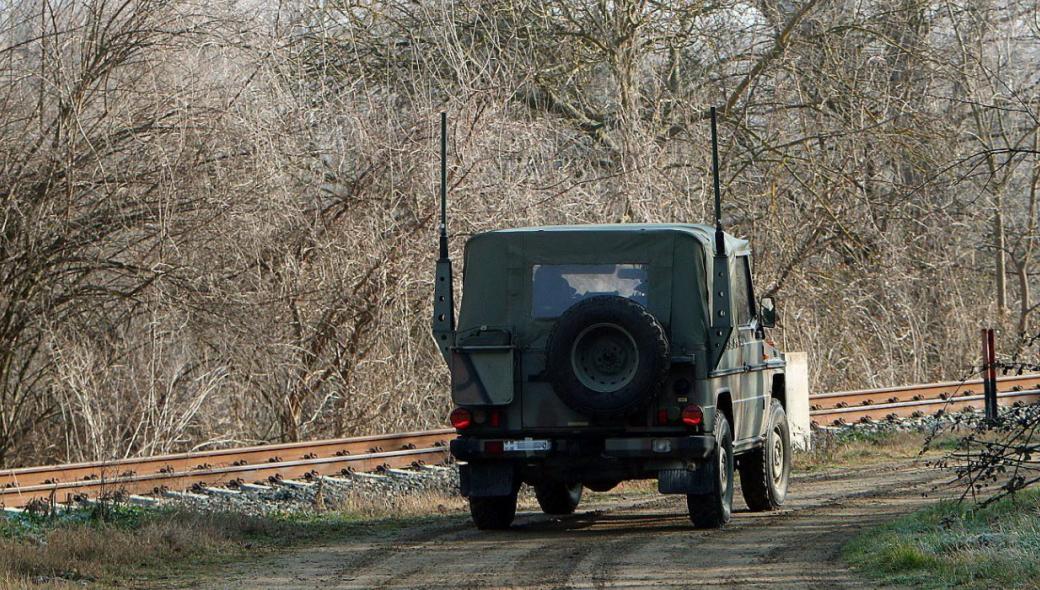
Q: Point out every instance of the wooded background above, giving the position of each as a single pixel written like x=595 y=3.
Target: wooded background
x=218 y=219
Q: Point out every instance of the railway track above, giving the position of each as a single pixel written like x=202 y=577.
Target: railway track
x=265 y=464
x=912 y=401
x=227 y=467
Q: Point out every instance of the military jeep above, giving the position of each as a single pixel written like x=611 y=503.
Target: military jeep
x=585 y=356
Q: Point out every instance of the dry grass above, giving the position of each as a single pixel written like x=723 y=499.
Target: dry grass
x=12 y=582
x=866 y=449
x=402 y=505
x=78 y=549
x=71 y=550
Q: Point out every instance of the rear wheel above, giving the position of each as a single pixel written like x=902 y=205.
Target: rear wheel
x=557 y=497
x=601 y=486
x=764 y=472
x=494 y=512
x=712 y=510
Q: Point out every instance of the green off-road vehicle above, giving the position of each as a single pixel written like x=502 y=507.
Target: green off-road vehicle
x=589 y=355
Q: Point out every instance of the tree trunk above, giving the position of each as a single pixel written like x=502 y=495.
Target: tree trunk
x=998 y=247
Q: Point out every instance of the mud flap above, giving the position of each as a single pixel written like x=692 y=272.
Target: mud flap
x=480 y=480
x=687 y=481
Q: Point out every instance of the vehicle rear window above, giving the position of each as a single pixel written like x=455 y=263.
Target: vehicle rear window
x=556 y=287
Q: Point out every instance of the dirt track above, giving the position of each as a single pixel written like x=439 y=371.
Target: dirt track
x=639 y=543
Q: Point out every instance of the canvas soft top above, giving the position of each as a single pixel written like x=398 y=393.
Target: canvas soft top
x=498 y=264
x=703 y=233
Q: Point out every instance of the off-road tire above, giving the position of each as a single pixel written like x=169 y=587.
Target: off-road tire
x=652 y=354
x=764 y=489
x=601 y=486
x=494 y=512
x=558 y=498
x=713 y=510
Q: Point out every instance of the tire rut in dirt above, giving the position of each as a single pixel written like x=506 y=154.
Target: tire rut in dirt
x=382 y=553
x=635 y=542
x=816 y=536
x=647 y=543
x=797 y=548
x=609 y=560
x=535 y=570
x=614 y=537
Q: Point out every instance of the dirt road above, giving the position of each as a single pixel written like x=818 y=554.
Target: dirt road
x=637 y=543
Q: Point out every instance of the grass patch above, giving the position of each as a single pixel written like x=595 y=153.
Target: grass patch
x=150 y=545
x=81 y=547
x=855 y=448
x=953 y=545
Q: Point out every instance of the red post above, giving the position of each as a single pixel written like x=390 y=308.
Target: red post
x=989 y=358
x=992 y=359
x=985 y=353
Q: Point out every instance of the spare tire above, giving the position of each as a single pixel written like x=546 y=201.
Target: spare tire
x=606 y=356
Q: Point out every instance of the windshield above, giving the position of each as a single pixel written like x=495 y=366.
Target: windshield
x=556 y=287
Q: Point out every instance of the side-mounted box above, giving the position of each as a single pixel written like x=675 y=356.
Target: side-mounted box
x=483 y=368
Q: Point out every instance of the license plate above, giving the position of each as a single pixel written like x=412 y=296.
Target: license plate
x=527 y=445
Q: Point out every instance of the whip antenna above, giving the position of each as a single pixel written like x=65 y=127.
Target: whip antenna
x=721 y=314
x=443 y=297
x=444 y=186
x=720 y=246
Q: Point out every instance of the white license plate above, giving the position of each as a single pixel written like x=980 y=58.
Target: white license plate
x=527 y=445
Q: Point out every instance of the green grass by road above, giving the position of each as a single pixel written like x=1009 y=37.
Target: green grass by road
x=952 y=545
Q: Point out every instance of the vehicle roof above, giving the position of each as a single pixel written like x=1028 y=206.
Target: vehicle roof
x=698 y=228
x=703 y=233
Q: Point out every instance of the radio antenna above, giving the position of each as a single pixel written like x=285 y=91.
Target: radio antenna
x=444 y=186
x=720 y=245
x=721 y=316
x=443 y=296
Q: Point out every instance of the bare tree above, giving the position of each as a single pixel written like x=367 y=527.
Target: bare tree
x=217 y=220
x=93 y=164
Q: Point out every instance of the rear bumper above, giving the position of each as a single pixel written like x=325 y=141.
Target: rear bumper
x=679 y=463
x=696 y=447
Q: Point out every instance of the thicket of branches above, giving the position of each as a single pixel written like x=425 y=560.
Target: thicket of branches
x=217 y=223
x=995 y=460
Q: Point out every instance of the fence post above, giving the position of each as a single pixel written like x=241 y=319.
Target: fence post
x=989 y=374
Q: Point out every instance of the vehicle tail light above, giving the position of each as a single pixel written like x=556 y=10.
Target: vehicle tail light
x=496 y=418
x=461 y=418
x=494 y=447
x=692 y=415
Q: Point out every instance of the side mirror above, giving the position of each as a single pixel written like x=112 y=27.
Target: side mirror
x=767 y=313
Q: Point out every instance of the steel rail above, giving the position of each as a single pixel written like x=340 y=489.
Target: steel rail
x=260 y=473
x=908 y=393
x=916 y=407
x=50 y=474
